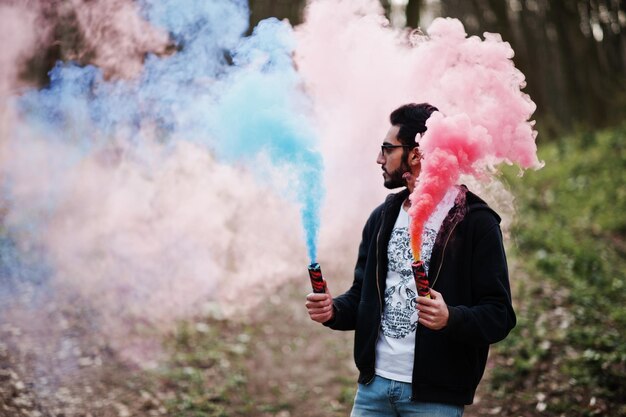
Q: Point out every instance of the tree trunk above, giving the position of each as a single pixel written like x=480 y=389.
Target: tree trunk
x=281 y=9
x=413 y=8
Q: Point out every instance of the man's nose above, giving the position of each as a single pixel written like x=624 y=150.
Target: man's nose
x=381 y=158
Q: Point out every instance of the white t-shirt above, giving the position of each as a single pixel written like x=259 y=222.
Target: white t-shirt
x=396 y=343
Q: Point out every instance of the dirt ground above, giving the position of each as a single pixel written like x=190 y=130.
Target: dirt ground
x=56 y=364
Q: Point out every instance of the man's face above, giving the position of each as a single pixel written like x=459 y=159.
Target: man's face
x=393 y=160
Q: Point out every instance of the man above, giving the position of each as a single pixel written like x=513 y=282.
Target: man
x=420 y=356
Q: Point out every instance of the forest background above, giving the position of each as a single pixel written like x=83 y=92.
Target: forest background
x=567 y=355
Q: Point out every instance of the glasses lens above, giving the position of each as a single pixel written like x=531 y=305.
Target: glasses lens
x=386 y=149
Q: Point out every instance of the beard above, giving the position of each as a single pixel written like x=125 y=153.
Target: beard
x=394 y=179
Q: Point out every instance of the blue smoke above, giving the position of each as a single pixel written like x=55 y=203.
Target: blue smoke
x=239 y=96
x=263 y=109
x=22 y=271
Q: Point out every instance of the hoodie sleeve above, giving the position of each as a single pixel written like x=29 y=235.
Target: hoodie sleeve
x=491 y=317
x=346 y=305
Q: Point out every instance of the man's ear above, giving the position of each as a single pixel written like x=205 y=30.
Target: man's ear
x=415 y=156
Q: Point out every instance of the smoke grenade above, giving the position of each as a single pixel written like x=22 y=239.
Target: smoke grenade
x=421 y=280
x=317 y=281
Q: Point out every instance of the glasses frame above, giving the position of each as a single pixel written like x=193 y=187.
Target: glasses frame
x=385 y=148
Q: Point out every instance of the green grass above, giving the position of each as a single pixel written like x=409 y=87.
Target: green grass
x=206 y=375
x=570 y=239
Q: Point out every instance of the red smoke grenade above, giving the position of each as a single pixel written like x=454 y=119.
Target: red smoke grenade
x=421 y=280
x=317 y=281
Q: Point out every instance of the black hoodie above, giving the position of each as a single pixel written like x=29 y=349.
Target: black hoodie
x=468 y=267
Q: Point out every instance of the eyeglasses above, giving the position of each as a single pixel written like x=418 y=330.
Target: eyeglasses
x=386 y=148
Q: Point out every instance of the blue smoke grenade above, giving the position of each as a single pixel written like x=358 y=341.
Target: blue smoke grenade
x=239 y=96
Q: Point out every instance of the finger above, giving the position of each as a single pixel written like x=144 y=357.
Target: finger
x=435 y=294
x=317 y=296
x=427 y=312
x=321 y=310
x=324 y=301
x=430 y=322
x=425 y=322
x=425 y=301
x=425 y=315
x=318 y=304
x=320 y=317
x=428 y=305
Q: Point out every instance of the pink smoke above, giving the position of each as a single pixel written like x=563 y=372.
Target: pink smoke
x=117 y=36
x=20 y=33
x=485 y=117
x=451 y=146
x=358 y=70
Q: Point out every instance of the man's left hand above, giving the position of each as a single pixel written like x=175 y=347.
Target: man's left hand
x=433 y=312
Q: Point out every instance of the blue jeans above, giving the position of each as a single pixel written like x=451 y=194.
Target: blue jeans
x=384 y=397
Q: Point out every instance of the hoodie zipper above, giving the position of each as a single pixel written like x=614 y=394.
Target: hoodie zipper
x=380 y=307
x=443 y=253
x=445 y=245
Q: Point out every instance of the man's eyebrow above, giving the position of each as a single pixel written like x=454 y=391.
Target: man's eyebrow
x=387 y=143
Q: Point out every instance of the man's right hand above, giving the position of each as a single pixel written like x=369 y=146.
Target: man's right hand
x=320 y=306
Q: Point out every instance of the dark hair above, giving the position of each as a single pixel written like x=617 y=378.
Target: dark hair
x=411 y=118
